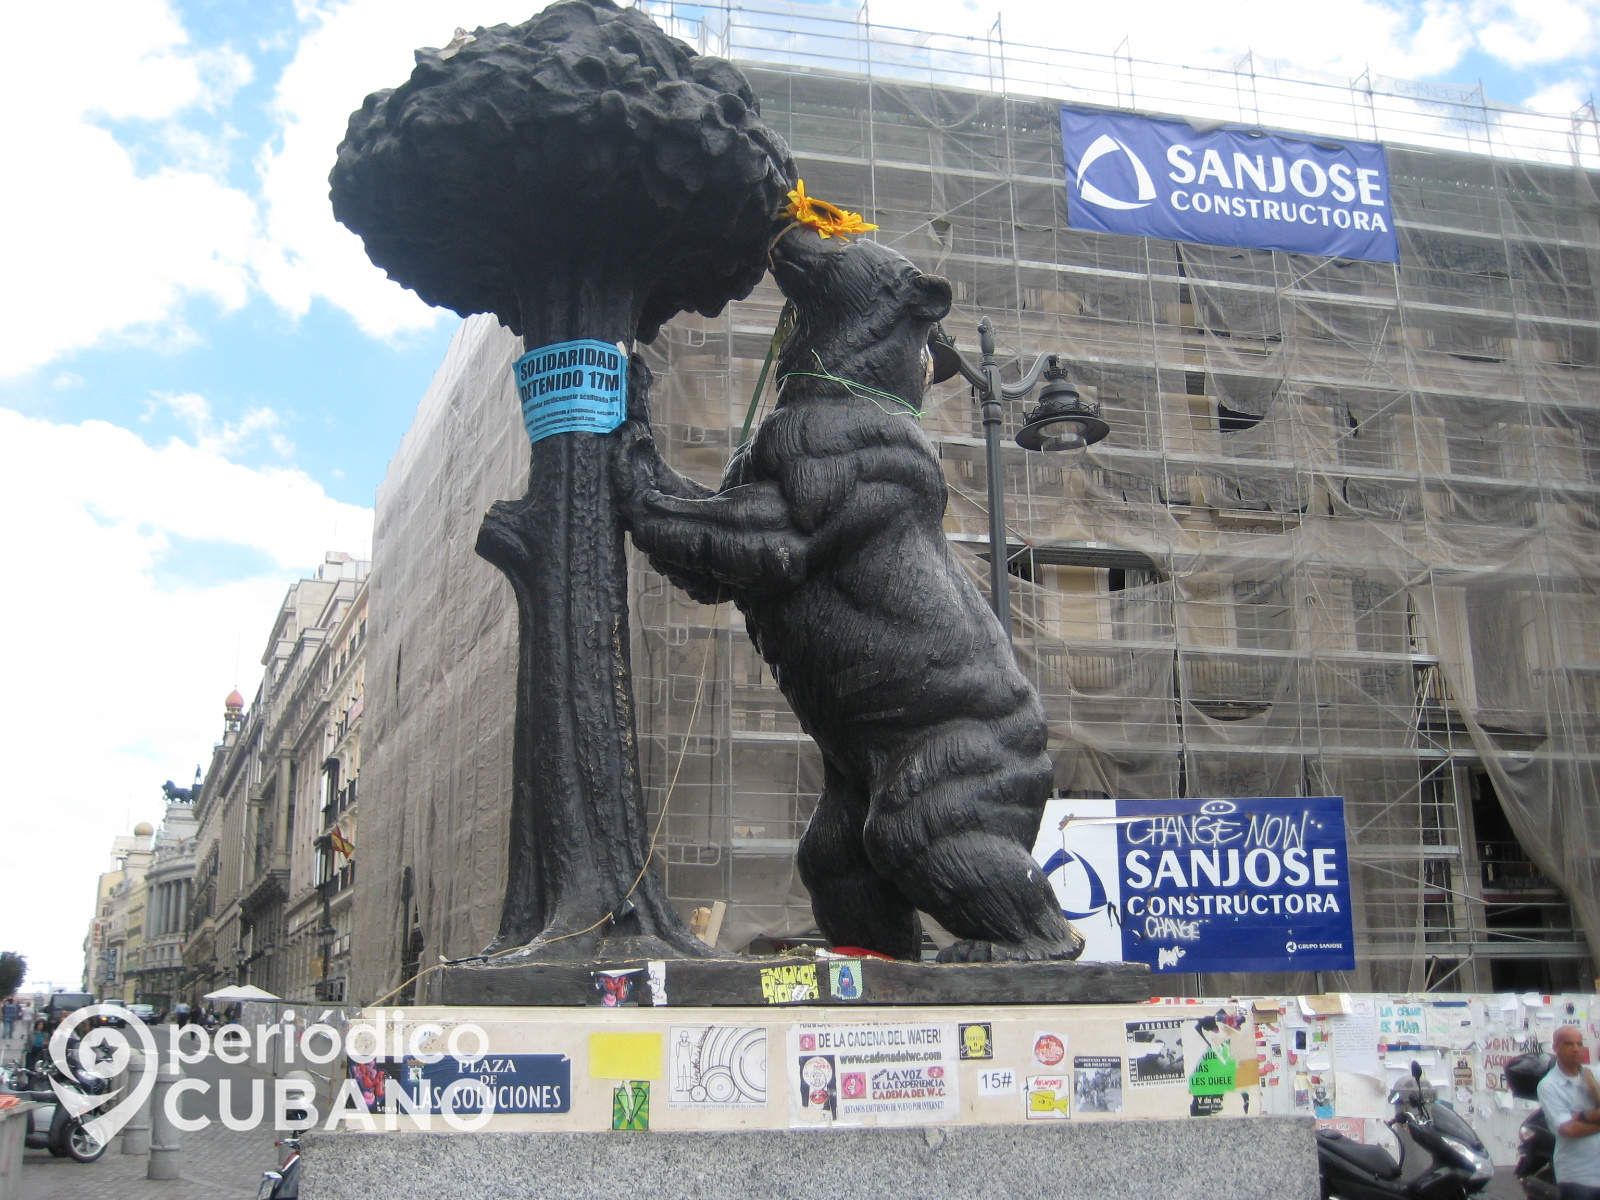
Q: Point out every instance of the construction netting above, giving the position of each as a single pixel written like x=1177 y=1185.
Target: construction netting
x=1341 y=539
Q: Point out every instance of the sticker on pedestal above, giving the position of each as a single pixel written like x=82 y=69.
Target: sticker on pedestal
x=1049 y=1097
x=885 y=1074
x=1097 y=1083
x=616 y=988
x=844 y=980
x=789 y=984
x=997 y=1081
x=630 y=1105
x=1049 y=1049
x=977 y=1040
x=717 y=1066
x=818 y=1083
x=1155 y=1053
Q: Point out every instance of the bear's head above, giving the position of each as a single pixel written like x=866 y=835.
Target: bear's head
x=864 y=312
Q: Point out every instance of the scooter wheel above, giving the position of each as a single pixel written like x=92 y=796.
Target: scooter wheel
x=55 y=1150
x=80 y=1144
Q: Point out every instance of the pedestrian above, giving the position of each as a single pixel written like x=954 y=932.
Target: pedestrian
x=9 y=1012
x=1571 y=1100
x=38 y=1044
x=181 y=1014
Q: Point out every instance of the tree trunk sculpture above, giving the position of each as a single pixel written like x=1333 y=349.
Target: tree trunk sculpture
x=581 y=176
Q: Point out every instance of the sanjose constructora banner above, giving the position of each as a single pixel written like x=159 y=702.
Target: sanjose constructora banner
x=1204 y=885
x=1227 y=187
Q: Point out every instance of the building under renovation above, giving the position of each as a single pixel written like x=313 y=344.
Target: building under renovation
x=1343 y=537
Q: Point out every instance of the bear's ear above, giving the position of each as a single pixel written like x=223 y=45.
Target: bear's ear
x=933 y=297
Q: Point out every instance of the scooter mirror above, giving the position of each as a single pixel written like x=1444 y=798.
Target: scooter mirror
x=1416 y=1070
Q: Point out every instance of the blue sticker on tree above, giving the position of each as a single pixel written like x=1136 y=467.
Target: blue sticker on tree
x=572 y=387
x=1258 y=884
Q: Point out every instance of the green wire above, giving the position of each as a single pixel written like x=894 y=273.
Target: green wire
x=860 y=390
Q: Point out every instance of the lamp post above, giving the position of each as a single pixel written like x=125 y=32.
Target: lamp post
x=1062 y=420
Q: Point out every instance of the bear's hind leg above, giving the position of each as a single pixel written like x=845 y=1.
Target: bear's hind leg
x=959 y=847
x=990 y=893
x=853 y=904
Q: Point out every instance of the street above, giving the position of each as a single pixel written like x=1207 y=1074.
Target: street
x=217 y=1162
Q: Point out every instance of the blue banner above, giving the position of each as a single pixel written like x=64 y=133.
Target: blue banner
x=1204 y=885
x=572 y=387
x=1233 y=186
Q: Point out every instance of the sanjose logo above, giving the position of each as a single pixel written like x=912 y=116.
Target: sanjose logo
x=1226 y=185
x=1103 y=145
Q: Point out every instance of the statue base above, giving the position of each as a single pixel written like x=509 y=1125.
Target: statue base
x=721 y=982
x=1266 y=1159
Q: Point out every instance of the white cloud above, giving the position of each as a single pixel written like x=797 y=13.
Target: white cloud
x=226 y=438
x=1533 y=32
x=117 y=674
x=93 y=247
x=351 y=49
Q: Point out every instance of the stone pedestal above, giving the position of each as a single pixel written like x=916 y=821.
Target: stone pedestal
x=739 y=981
x=1261 y=1159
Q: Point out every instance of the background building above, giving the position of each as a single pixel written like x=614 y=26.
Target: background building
x=281 y=777
x=159 y=974
x=1341 y=540
x=116 y=929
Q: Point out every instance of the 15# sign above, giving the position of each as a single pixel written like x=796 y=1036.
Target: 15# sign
x=1204 y=885
x=1226 y=187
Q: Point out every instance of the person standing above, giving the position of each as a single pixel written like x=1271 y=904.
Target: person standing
x=1571 y=1100
x=9 y=1012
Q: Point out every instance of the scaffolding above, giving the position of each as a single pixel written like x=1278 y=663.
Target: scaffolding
x=1341 y=539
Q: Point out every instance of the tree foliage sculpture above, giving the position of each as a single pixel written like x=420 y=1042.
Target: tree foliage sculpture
x=581 y=175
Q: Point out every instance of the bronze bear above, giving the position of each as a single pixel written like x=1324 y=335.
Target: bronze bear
x=827 y=532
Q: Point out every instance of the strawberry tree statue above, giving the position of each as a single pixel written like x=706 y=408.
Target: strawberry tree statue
x=584 y=177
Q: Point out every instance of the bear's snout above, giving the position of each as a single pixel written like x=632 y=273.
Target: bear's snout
x=800 y=253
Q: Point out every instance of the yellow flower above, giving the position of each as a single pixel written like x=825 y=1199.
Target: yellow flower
x=825 y=218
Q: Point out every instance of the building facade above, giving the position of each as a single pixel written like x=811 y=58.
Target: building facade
x=117 y=928
x=1342 y=538
x=159 y=973
x=263 y=896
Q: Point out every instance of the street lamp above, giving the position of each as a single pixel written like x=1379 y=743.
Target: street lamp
x=1062 y=420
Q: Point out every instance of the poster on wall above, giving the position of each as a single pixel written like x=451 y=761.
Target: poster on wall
x=1204 y=885
x=875 y=1074
x=1231 y=186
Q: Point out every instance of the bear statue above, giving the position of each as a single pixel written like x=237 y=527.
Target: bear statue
x=827 y=533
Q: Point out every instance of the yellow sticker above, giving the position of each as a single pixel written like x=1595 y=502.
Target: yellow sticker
x=792 y=984
x=625 y=1056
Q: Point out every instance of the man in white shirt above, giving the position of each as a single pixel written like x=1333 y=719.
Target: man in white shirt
x=1572 y=1111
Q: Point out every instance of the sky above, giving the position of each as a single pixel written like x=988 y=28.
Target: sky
x=202 y=379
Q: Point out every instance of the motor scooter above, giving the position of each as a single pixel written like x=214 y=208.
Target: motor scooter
x=1461 y=1165
x=284 y=1183
x=52 y=1126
